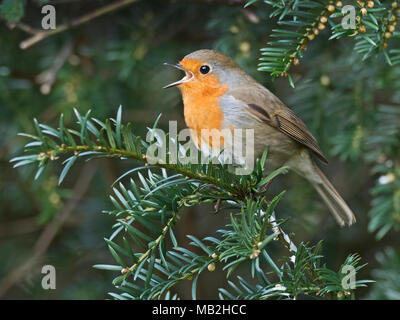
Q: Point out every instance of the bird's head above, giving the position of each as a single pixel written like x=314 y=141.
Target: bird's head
x=207 y=70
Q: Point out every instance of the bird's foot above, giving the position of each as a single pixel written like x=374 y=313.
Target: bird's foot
x=265 y=187
x=217 y=206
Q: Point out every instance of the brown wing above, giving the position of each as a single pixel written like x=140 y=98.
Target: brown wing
x=274 y=113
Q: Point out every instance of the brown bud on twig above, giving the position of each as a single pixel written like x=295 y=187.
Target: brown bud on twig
x=211 y=267
x=388 y=35
x=124 y=271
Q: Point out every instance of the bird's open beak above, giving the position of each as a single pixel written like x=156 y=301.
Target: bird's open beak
x=188 y=77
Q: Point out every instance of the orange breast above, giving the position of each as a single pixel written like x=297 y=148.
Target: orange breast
x=202 y=111
x=201 y=102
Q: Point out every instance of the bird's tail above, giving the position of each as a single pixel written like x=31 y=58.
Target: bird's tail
x=337 y=206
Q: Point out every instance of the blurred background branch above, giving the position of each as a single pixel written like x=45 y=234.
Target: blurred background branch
x=47 y=77
x=50 y=231
x=39 y=35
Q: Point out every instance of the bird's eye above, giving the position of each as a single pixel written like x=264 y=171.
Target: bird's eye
x=205 y=69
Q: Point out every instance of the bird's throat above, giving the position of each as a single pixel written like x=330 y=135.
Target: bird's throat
x=201 y=107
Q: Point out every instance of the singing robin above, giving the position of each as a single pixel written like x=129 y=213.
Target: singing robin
x=218 y=94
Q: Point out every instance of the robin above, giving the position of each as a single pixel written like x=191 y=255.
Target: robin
x=218 y=94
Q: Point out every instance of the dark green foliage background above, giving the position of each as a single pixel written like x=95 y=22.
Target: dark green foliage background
x=352 y=107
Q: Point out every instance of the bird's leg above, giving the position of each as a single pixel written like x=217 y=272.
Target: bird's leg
x=263 y=190
x=265 y=187
x=217 y=205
